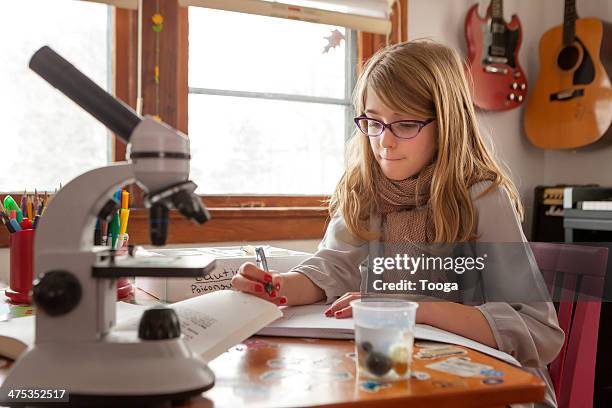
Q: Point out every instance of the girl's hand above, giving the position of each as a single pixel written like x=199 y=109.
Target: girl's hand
x=251 y=279
x=341 y=308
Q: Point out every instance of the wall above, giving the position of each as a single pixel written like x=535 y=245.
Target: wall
x=443 y=20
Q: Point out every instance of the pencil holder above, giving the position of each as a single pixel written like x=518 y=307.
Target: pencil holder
x=21 y=266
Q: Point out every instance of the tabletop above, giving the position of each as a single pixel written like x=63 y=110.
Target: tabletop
x=291 y=372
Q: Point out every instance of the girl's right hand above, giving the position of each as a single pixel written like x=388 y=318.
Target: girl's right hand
x=251 y=279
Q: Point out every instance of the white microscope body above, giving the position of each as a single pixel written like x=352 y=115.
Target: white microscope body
x=75 y=347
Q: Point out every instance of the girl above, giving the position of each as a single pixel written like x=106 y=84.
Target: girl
x=418 y=171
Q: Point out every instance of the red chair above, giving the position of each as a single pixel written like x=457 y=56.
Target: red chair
x=565 y=268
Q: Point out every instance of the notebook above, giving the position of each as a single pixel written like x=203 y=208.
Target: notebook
x=210 y=323
x=310 y=321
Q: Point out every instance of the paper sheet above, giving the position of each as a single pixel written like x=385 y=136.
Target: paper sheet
x=310 y=321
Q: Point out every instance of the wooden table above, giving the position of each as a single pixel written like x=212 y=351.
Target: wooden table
x=291 y=372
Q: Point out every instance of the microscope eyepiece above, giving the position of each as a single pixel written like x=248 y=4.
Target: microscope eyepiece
x=181 y=196
x=190 y=205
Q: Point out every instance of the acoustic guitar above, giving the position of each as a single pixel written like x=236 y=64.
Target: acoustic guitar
x=493 y=47
x=571 y=102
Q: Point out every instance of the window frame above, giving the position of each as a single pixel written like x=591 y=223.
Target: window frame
x=234 y=217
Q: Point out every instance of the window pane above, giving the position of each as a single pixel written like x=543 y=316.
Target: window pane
x=48 y=138
x=236 y=51
x=253 y=146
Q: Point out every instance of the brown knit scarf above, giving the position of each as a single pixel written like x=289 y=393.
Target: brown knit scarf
x=405 y=208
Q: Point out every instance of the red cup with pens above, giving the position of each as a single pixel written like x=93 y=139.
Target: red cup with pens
x=114 y=235
x=21 y=221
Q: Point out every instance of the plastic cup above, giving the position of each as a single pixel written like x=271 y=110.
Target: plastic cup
x=384 y=337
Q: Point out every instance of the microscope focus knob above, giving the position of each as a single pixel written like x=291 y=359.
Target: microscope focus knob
x=159 y=323
x=57 y=292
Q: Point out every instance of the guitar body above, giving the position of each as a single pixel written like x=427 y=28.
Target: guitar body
x=499 y=81
x=571 y=103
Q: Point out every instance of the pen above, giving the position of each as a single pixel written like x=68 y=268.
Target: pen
x=7 y=222
x=262 y=263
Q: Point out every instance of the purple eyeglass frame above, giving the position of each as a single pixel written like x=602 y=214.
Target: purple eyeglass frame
x=421 y=123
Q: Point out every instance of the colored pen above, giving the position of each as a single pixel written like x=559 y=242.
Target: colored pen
x=262 y=263
x=26 y=223
x=15 y=225
x=125 y=199
x=114 y=230
x=7 y=222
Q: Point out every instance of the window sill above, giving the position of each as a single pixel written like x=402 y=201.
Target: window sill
x=230 y=224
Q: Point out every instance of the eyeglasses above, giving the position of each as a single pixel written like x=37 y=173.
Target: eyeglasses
x=402 y=129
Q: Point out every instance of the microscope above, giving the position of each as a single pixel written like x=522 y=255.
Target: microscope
x=76 y=348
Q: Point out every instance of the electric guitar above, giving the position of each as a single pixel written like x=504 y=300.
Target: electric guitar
x=571 y=103
x=493 y=47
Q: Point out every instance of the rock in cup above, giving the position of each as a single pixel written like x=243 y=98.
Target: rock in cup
x=384 y=337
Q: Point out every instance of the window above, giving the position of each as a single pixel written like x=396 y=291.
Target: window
x=269 y=110
x=49 y=140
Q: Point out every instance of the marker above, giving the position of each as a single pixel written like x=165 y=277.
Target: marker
x=13 y=215
x=125 y=199
x=26 y=223
x=114 y=230
x=15 y=225
x=10 y=204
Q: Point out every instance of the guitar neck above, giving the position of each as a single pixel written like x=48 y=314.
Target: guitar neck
x=569 y=22
x=497 y=9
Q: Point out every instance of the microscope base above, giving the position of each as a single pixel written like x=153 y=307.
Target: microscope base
x=116 y=371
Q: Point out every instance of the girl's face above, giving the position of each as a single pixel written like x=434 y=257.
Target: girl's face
x=399 y=158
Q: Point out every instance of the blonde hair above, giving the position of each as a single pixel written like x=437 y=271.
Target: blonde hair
x=424 y=79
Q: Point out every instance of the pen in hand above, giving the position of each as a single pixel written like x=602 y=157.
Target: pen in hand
x=262 y=263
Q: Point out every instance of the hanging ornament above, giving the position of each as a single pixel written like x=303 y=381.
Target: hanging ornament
x=158 y=26
x=158 y=22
